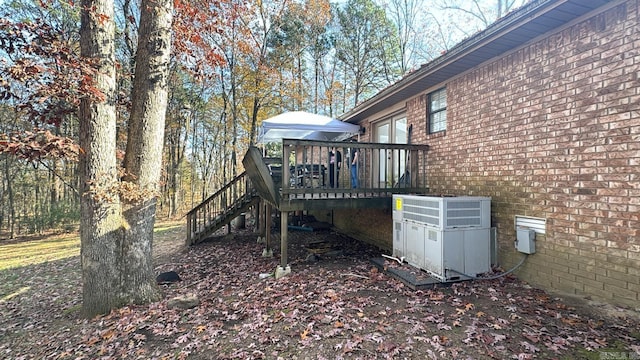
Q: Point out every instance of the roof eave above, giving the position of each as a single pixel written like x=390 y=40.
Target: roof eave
x=535 y=18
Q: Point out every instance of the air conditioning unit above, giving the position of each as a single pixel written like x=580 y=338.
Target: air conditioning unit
x=443 y=233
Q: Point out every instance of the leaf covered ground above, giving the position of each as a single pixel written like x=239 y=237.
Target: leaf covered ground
x=336 y=306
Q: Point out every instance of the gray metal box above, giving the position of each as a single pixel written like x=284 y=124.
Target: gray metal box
x=526 y=241
x=439 y=234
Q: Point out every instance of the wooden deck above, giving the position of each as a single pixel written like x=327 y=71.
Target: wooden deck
x=334 y=200
x=313 y=179
x=316 y=180
x=382 y=170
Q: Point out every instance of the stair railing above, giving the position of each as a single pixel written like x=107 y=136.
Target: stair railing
x=214 y=211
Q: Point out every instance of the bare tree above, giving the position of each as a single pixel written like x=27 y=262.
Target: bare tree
x=407 y=14
x=478 y=14
x=365 y=45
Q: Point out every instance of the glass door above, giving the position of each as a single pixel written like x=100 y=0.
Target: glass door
x=383 y=136
x=391 y=165
x=399 y=157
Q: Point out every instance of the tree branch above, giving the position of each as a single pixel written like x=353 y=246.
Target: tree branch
x=54 y=172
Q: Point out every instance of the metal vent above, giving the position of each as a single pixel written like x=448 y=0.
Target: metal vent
x=422 y=203
x=422 y=211
x=463 y=204
x=463 y=213
x=463 y=217
x=538 y=225
x=421 y=218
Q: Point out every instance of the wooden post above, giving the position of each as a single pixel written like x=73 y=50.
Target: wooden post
x=286 y=152
x=189 y=229
x=257 y=214
x=283 y=238
x=263 y=218
x=267 y=226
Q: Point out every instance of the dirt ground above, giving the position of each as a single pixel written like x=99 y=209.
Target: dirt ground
x=337 y=305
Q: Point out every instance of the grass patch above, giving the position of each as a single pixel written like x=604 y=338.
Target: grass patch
x=72 y=309
x=616 y=350
x=161 y=229
x=38 y=251
x=52 y=248
x=14 y=294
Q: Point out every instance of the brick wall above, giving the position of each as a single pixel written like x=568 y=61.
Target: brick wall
x=552 y=130
x=372 y=226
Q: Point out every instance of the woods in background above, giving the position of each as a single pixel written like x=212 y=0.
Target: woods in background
x=234 y=63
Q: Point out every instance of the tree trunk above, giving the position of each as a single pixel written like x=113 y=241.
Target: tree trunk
x=176 y=146
x=143 y=158
x=101 y=225
x=300 y=95
x=37 y=211
x=316 y=78
x=116 y=238
x=54 y=195
x=254 y=120
x=10 y=195
x=3 y=202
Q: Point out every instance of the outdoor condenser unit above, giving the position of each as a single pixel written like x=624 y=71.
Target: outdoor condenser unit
x=439 y=234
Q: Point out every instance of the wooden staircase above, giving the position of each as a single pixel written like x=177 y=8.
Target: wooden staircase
x=220 y=208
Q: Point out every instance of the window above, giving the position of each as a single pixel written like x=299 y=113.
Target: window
x=437 y=115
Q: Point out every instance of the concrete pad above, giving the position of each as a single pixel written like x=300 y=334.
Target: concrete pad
x=282 y=272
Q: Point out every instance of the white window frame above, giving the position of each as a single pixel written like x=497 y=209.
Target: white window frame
x=437 y=111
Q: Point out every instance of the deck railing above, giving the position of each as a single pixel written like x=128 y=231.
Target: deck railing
x=380 y=169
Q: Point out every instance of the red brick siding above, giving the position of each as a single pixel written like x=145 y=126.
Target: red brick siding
x=552 y=130
x=372 y=226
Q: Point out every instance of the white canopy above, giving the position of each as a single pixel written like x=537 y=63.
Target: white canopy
x=304 y=125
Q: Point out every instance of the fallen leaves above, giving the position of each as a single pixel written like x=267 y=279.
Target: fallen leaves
x=201 y=328
x=529 y=347
x=316 y=312
x=570 y=321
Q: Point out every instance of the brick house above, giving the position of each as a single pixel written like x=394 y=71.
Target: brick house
x=541 y=112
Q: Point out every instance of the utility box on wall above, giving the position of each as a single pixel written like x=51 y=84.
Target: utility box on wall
x=439 y=234
x=525 y=241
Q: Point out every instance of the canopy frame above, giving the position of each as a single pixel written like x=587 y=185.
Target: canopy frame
x=301 y=125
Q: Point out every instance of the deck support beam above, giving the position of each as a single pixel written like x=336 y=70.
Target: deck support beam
x=284 y=234
x=267 y=252
x=258 y=214
x=283 y=269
